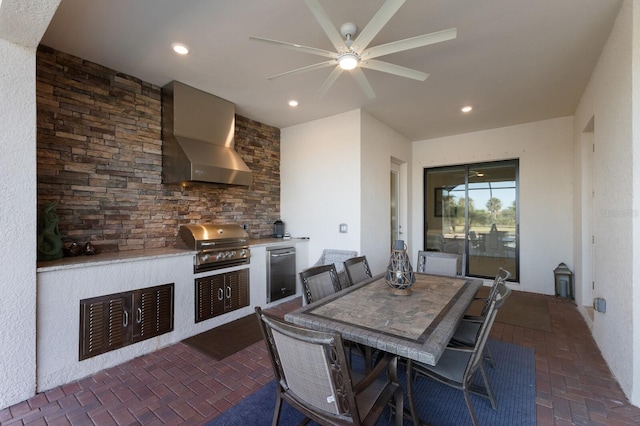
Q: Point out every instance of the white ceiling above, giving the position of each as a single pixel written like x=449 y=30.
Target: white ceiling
x=516 y=61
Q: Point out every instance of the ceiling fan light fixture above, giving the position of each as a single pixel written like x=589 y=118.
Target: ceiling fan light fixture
x=348 y=60
x=180 y=48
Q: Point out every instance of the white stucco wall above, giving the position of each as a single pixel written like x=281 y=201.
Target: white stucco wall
x=320 y=182
x=379 y=144
x=635 y=143
x=609 y=99
x=18 y=222
x=336 y=170
x=544 y=150
x=22 y=24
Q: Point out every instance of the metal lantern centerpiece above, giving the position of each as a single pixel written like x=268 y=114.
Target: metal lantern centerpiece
x=400 y=276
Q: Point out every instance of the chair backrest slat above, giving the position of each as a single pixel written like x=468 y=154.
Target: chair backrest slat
x=357 y=269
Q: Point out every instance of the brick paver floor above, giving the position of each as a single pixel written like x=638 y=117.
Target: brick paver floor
x=178 y=385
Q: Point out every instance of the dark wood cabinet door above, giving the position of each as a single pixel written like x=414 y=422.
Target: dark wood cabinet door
x=237 y=289
x=218 y=294
x=152 y=312
x=209 y=297
x=104 y=324
x=204 y=299
x=117 y=320
x=221 y=293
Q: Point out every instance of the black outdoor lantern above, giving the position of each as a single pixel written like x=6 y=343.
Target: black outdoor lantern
x=564 y=281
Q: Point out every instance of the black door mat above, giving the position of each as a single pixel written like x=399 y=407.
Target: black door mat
x=227 y=339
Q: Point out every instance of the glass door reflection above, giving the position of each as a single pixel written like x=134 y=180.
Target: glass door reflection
x=472 y=210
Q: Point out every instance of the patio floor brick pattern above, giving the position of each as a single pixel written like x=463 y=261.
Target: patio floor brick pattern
x=178 y=385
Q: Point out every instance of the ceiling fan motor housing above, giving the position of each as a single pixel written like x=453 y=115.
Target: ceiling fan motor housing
x=348 y=30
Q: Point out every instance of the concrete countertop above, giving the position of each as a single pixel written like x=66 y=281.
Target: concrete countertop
x=84 y=261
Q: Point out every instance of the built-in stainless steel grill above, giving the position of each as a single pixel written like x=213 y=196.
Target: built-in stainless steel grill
x=217 y=246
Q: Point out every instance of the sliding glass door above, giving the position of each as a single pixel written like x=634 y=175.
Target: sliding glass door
x=473 y=210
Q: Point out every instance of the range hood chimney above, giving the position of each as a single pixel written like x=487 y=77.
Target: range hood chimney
x=197 y=134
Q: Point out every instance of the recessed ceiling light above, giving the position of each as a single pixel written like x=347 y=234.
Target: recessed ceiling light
x=293 y=103
x=180 y=48
x=466 y=108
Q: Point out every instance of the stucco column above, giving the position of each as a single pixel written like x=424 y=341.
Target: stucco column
x=22 y=24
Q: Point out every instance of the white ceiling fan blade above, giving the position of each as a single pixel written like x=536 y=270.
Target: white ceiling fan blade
x=297 y=47
x=410 y=43
x=323 y=19
x=388 y=9
x=329 y=81
x=363 y=83
x=305 y=69
x=394 y=69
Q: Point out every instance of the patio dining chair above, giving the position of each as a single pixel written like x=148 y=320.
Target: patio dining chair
x=319 y=281
x=357 y=269
x=440 y=263
x=458 y=366
x=501 y=276
x=468 y=329
x=336 y=257
x=313 y=376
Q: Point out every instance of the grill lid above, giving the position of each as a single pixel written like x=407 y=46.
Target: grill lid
x=198 y=237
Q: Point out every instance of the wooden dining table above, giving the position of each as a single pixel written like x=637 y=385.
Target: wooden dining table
x=416 y=327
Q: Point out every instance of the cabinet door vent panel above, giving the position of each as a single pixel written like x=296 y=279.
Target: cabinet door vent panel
x=116 y=320
x=94 y=335
x=116 y=324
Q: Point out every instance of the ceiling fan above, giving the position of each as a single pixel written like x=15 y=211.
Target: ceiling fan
x=353 y=55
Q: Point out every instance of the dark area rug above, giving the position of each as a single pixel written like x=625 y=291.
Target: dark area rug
x=227 y=339
x=512 y=380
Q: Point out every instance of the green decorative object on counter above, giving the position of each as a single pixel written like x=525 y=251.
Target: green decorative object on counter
x=49 y=241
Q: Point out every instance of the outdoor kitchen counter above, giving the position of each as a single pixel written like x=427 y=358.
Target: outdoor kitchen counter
x=83 y=261
x=63 y=284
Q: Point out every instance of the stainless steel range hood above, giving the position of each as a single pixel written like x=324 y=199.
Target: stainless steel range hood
x=197 y=138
